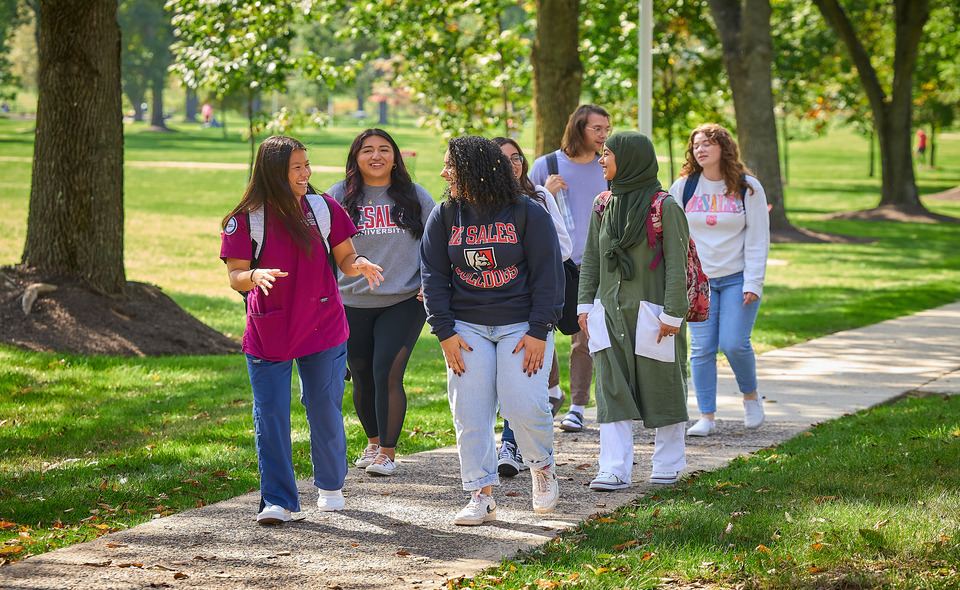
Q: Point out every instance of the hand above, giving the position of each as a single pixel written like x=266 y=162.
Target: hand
x=451 y=353
x=420 y=295
x=369 y=270
x=553 y=183
x=749 y=298
x=533 y=351
x=264 y=278
x=582 y=322
x=667 y=330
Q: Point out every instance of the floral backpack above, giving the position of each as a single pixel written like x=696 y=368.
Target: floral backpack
x=698 y=285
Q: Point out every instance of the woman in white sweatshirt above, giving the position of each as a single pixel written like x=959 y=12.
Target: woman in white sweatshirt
x=727 y=212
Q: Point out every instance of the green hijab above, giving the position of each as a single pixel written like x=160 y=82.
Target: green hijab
x=634 y=186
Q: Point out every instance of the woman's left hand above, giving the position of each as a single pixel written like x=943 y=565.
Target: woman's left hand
x=533 y=351
x=369 y=270
x=749 y=298
x=667 y=330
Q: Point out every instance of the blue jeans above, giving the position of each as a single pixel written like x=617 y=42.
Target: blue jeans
x=321 y=386
x=728 y=329
x=492 y=375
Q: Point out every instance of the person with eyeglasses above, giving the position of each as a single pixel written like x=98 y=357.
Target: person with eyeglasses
x=510 y=461
x=575 y=183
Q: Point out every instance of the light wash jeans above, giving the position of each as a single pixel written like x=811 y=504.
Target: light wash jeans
x=728 y=329
x=494 y=374
x=321 y=386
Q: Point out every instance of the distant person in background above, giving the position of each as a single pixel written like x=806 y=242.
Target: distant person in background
x=492 y=280
x=730 y=224
x=293 y=313
x=207 y=112
x=921 y=143
x=4 y=107
x=577 y=182
x=390 y=211
x=510 y=460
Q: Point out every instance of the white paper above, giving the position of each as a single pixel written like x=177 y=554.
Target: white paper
x=648 y=328
x=597 y=328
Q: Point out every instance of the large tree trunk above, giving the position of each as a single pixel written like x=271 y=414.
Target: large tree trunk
x=557 y=71
x=744 y=33
x=190 y=107
x=891 y=114
x=75 y=224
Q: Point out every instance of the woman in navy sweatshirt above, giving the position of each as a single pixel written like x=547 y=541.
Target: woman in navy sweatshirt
x=493 y=289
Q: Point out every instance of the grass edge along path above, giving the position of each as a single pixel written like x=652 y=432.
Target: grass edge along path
x=868 y=500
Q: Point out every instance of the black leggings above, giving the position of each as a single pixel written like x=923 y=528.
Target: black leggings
x=380 y=343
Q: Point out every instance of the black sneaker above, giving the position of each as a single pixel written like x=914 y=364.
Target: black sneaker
x=510 y=462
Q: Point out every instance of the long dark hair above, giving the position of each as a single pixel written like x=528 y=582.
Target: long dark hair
x=270 y=188
x=526 y=185
x=573 y=143
x=731 y=167
x=482 y=174
x=406 y=211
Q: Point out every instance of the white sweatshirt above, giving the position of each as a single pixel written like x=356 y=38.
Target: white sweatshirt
x=731 y=235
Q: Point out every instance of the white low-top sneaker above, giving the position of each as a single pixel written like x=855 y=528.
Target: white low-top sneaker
x=703 y=427
x=273 y=514
x=607 y=482
x=330 y=500
x=753 y=415
x=367 y=457
x=480 y=509
x=546 y=491
x=382 y=465
x=664 y=477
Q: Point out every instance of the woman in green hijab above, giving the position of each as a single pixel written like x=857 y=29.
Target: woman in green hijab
x=633 y=315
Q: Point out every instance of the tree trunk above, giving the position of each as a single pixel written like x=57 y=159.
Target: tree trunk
x=891 y=114
x=156 y=105
x=75 y=224
x=932 y=146
x=557 y=71
x=190 y=108
x=747 y=56
x=136 y=99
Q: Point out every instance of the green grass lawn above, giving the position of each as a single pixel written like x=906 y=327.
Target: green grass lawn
x=95 y=444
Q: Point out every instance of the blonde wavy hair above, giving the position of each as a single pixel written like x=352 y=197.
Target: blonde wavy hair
x=731 y=167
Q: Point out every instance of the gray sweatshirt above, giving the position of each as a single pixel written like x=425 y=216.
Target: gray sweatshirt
x=382 y=242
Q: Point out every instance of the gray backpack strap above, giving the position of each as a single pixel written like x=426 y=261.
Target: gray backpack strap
x=321 y=213
x=256 y=221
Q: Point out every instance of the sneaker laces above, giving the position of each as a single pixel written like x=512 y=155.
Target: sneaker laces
x=370 y=452
x=541 y=480
x=381 y=459
x=507 y=450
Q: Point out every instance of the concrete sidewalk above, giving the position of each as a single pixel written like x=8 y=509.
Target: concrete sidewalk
x=397 y=533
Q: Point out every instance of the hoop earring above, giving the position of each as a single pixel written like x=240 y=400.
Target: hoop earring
x=394 y=167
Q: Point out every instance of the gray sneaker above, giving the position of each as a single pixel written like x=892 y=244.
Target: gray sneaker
x=509 y=462
x=480 y=509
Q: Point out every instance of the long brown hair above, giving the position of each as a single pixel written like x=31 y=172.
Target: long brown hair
x=270 y=188
x=573 y=143
x=406 y=212
x=731 y=167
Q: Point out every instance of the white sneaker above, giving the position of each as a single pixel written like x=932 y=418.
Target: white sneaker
x=480 y=509
x=664 y=477
x=367 y=457
x=546 y=492
x=607 y=482
x=273 y=514
x=703 y=427
x=382 y=465
x=330 y=500
x=753 y=415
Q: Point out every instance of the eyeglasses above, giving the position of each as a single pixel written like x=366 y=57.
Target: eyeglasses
x=516 y=159
x=604 y=131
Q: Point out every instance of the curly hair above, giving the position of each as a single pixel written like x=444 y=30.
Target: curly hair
x=270 y=186
x=573 y=143
x=526 y=185
x=482 y=175
x=732 y=169
x=406 y=213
